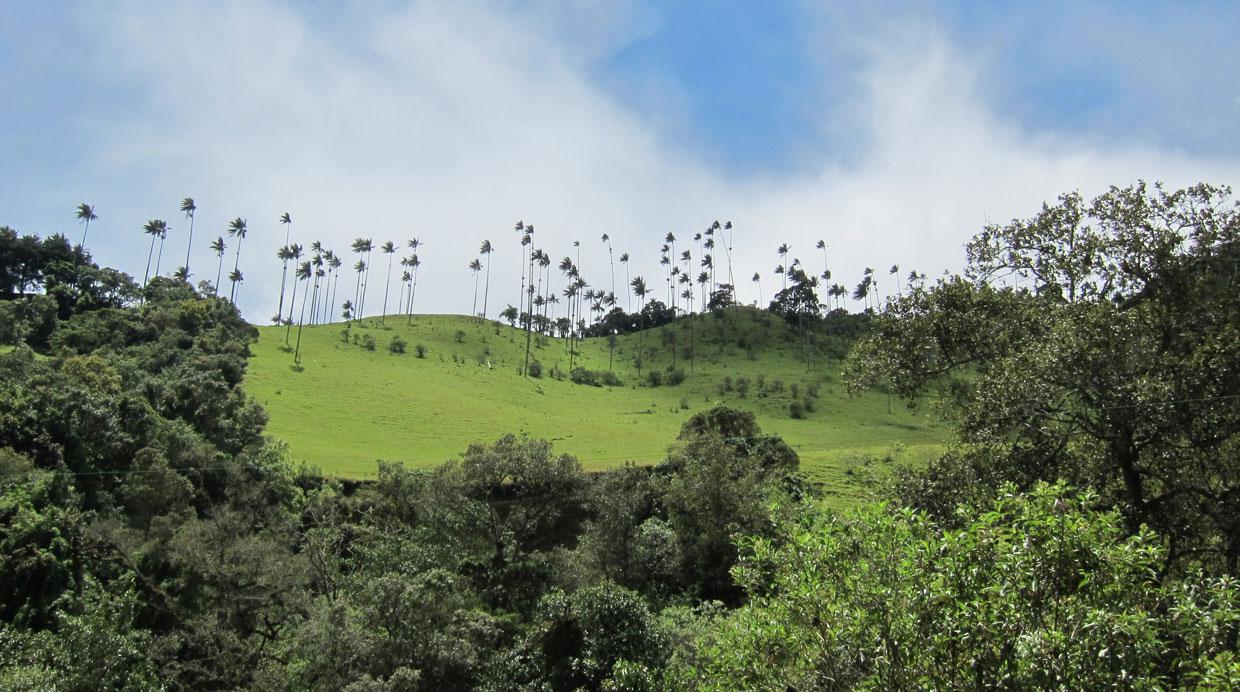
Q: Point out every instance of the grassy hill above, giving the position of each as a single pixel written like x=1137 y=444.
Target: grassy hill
x=347 y=406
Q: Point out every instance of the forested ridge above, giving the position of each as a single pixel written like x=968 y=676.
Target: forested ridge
x=1080 y=531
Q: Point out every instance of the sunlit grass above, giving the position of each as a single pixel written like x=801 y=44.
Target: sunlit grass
x=347 y=407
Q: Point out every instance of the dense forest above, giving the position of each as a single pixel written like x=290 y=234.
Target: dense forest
x=1081 y=531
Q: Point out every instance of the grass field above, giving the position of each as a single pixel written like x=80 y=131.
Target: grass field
x=346 y=407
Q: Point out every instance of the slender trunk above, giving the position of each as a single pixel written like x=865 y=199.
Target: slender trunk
x=473 y=310
x=189 y=246
x=529 y=322
x=357 y=292
x=283 y=280
x=413 y=293
x=628 y=298
x=289 y=328
x=387 y=285
x=146 y=275
x=300 y=321
x=486 y=291
x=219 y=271
x=84 y=232
x=159 y=258
x=232 y=293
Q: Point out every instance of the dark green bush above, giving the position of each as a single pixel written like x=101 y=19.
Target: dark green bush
x=397 y=345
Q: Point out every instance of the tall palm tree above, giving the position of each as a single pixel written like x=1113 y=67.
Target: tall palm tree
x=486 y=249
x=300 y=271
x=335 y=263
x=415 y=262
x=624 y=259
x=236 y=277
x=359 y=267
x=389 y=249
x=218 y=246
x=292 y=252
x=640 y=290
x=611 y=261
x=283 y=254
x=370 y=248
x=783 y=258
x=702 y=280
x=475 y=266
x=519 y=228
x=159 y=257
x=895 y=271
x=822 y=245
x=236 y=229
x=303 y=273
x=757 y=278
x=155 y=229
x=85 y=214
x=727 y=232
x=358 y=247
x=188 y=206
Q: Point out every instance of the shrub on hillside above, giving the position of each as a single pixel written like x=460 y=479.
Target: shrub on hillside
x=397 y=345
x=796 y=409
x=368 y=342
x=420 y=350
x=595 y=378
x=535 y=369
x=654 y=378
x=674 y=377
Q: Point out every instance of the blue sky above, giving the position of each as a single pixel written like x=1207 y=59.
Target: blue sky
x=891 y=130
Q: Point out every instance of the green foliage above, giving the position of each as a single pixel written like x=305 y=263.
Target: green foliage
x=580 y=639
x=1118 y=371
x=535 y=369
x=595 y=378
x=1039 y=591
x=368 y=342
x=420 y=350
x=397 y=345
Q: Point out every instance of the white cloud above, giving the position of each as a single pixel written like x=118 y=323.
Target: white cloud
x=450 y=121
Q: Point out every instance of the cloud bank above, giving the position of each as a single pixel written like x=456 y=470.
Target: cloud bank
x=450 y=121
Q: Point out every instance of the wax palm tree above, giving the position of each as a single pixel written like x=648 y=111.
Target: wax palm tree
x=85 y=214
x=358 y=247
x=303 y=274
x=284 y=258
x=301 y=271
x=783 y=258
x=624 y=259
x=475 y=266
x=369 y=248
x=155 y=229
x=757 y=278
x=237 y=229
x=640 y=290
x=359 y=267
x=544 y=264
x=189 y=208
x=235 y=277
x=405 y=279
x=284 y=254
x=293 y=253
x=218 y=246
x=486 y=249
x=334 y=264
x=702 y=280
x=895 y=271
x=611 y=261
x=727 y=232
x=415 y=262
x=159 y=257
x=389 y=249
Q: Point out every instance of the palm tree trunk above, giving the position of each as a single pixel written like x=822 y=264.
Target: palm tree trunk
x=486 y=292
x=146 y=275
x=473 y=310
x=232 y=293
x=160 y=257
x=289 y=328
x=300 y=322
x=219 y=271
x=190 y=245
x=283 y=280
x=386 y=285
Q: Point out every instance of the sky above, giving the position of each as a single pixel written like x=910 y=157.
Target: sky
x=892 y=131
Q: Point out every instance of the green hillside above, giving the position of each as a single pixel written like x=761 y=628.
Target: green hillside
x=347 y=406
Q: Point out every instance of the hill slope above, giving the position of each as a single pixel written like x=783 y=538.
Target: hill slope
x=348 y=406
